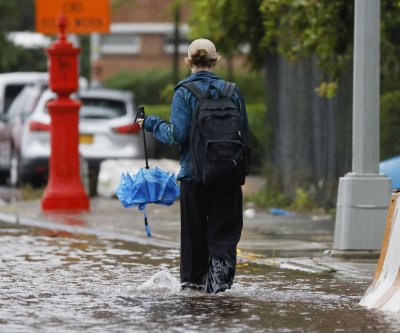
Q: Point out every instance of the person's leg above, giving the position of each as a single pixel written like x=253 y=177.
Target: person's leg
x=225 y=223
x=194 y=251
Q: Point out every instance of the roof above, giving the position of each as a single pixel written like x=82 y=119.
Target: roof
x=97 y=92
x=24 y=77
x=29 y=40
x=106 y=93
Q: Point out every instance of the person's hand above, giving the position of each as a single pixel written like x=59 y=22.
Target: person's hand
x=140 y=121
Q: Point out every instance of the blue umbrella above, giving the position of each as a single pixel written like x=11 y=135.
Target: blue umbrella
x=147 y=186
x=390 y=168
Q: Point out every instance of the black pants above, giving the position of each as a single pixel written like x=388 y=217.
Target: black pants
x=211 y=225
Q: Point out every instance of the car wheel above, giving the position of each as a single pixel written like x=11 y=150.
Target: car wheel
x=3 y=177
x=15 y=173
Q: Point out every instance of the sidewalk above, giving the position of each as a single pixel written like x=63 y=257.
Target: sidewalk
x=293 y=242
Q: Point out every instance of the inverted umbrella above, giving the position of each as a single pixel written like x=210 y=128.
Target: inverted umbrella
x=147 y=186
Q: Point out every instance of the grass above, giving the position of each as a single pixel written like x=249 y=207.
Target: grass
x=28 y=192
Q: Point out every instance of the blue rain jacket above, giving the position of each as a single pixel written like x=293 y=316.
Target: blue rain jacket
x=177 y=130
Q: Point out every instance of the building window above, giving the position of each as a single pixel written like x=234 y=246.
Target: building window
x=169 y=44
x=118 y=43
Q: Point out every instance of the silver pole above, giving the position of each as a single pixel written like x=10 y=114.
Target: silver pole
x=94 y=57
x=364 y=194
x=366 y=87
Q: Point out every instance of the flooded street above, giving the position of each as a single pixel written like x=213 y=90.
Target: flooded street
x=59 y=282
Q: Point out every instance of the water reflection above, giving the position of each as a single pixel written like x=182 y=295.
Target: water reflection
x=75 y=283
x=64 y=218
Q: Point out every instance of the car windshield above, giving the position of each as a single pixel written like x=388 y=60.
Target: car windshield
x=23 y=104
x=11 y=93
x=98 y=108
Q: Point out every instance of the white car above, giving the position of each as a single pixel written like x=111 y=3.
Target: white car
x=11 y=84
x=11 y=125
x=106 y=129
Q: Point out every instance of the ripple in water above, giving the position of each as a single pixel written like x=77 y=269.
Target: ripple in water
x=81 y=283
x=161 y=281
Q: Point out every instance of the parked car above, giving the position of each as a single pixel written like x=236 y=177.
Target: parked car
x=106 y=129
x=11 y=123
x=16 y=103
x=11 y=85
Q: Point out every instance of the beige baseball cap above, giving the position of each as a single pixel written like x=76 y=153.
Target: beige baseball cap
x=203 y=44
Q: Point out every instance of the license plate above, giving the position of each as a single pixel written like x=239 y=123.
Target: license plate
x=86 y=139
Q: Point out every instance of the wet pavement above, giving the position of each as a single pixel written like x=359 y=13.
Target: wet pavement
x=266 y=238
x=98 y=272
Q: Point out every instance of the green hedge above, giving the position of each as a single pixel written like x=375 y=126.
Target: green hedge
x=259 y=138
x=390 y=125
x=146 y=85
x=154 y=90
x=154 y=86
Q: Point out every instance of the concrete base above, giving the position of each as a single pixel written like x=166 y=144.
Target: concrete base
x=64 y=197
x=362 y=206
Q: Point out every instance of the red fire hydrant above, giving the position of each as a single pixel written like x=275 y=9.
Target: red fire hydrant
x=64 y=190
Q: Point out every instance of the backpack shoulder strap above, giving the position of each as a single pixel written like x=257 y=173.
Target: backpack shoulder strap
x=229 y=89
x=195 y=90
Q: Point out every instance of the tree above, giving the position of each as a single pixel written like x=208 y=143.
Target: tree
x=17 y=16
x=284 y=38
x=304 y=47
x=297 y=29
x=7 y=10
x=231 y=25
x=294 y=28
x=390 y=46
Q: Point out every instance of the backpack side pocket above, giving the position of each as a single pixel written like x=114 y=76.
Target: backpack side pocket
x=223 y=164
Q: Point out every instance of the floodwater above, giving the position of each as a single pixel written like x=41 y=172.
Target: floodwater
x=58 y=282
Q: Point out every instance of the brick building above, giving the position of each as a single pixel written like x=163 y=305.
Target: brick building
x=140 y=38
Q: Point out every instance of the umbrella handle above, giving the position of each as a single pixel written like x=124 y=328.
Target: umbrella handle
x=141 y=114
x=145 y=149
x=146 y=225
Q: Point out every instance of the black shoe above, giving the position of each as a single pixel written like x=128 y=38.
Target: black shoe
x=220 y=275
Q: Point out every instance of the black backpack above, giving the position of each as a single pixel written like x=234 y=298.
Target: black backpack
x=218 y=147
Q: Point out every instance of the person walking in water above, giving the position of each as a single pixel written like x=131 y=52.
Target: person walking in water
x=211 y=203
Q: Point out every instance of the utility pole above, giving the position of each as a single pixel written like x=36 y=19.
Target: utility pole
x=363 y=195
x=176 y=11
x=94 y=60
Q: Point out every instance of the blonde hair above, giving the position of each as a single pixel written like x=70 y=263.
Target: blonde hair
x=200 y=58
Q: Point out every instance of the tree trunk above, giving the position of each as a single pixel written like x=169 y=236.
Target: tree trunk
x=176 y=39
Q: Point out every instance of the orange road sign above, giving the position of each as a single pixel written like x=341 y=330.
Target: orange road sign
x=83 y=16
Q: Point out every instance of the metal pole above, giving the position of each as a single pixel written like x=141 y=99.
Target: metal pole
x=95 y=42
x=364 y=194
x=366 y=87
